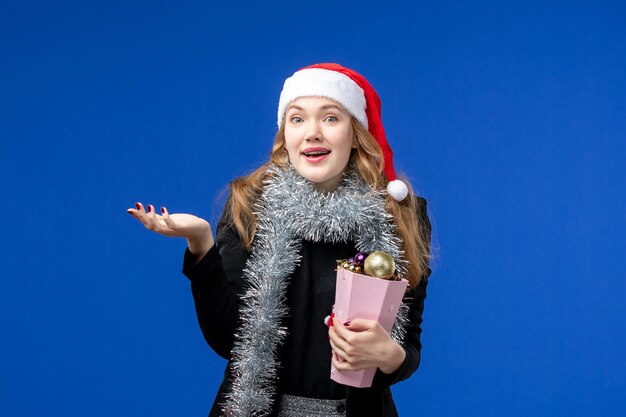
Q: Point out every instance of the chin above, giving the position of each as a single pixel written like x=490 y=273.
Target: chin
x=317 y=177
x=320 y=175
x=326 y=182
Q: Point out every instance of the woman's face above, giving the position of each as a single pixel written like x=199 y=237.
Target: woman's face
x=319 y=138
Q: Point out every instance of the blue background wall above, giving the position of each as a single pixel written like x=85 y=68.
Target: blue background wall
x=510 y=118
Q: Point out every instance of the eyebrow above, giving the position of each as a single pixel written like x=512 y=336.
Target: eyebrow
x=324 y=107
x=331 y=106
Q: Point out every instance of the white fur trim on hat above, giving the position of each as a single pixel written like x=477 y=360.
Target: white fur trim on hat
x=317 y=82
x=397 y=190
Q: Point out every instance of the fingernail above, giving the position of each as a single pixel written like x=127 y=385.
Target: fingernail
x=149 y=208
x=163 y=210
x=129 y=212
x=138 y=206
x=347 y=323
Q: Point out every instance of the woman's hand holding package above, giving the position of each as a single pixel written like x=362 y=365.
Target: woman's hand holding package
x=364 y=344
x=196 y=230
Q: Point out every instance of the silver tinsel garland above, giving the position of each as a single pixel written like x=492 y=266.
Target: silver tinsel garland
x=290 y=210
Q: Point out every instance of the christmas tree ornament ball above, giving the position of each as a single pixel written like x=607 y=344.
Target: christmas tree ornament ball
x=380 y=265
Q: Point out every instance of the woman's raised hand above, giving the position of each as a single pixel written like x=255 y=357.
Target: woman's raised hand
x=196 y=230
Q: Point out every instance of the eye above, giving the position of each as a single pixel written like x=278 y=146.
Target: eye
x=296 y=119
x=330 y=119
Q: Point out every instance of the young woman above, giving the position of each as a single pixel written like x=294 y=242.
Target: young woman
x=261 y=294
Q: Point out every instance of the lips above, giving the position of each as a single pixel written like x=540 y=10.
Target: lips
x=315 y=152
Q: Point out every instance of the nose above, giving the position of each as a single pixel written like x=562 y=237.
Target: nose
x=313 y=132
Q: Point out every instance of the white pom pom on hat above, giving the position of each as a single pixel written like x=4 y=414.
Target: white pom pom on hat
x=397 y=190
x=356 y=95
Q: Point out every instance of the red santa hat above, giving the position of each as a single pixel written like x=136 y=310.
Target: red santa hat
x=356 y=95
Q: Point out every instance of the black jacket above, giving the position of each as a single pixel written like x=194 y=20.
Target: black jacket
x=217 y=284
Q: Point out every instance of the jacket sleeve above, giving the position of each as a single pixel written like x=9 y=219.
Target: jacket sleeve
x=216 y=285
x=415 y=300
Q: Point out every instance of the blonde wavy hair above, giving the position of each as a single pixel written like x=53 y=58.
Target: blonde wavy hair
x=414 y=232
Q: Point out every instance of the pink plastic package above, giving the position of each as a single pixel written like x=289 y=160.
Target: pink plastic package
x=364 y=297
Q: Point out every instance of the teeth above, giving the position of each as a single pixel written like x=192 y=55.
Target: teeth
x=317 y=153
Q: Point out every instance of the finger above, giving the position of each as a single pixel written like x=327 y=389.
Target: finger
x=360 y=325
x=167 y=219
x=135 y=211
x=148 y=218
x=140 y=208
x=338 y=357
x=334 y=336
x=337 y=344
x=340 y=346
x=140 y=214
x=341 y=366
x=340 y=328
x=153 y=221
